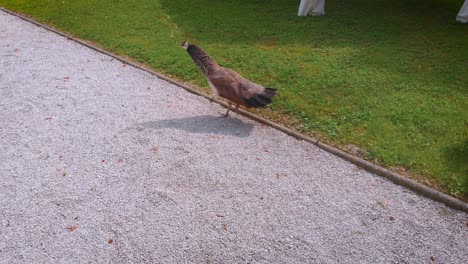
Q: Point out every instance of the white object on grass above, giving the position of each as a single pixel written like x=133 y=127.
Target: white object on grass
x=311 y=7
x=462 y=16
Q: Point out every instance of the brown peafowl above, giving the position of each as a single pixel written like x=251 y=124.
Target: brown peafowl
x=228 y=83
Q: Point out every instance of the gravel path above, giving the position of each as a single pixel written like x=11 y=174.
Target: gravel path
x=101 y=162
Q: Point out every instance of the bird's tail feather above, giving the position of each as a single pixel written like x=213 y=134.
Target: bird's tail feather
x=270 y=93
x=262 y=99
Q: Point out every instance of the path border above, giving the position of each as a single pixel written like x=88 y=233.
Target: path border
x=368 y=166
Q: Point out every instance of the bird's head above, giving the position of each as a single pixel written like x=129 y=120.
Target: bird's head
x=184 y=44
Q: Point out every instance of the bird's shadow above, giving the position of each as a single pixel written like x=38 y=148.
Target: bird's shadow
x=204 y=124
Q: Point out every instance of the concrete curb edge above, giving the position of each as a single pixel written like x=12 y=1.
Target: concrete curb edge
x=368 y=166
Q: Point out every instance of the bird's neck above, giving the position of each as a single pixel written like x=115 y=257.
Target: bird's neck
x=202 y=59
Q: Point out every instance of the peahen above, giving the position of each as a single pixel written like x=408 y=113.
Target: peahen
x=229 y=84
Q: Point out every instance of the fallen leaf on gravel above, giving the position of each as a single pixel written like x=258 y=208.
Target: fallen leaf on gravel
x=48 y=118
x=444 y=211
x=110 y=241
x=225 y=226
x=154 y=149
x=216 y=183
x=281 y=174
x=220 y=215
x=432 y=258
x=391 y=218
x=72 y=228
x=384 y=203
x=66 y=78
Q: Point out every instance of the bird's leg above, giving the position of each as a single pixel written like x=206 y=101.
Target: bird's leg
x=229 y=109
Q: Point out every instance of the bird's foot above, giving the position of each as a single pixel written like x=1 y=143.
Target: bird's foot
x=224 y=115
x=237 y=109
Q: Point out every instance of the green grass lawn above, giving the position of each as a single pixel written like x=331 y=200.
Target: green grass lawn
x=390 y=77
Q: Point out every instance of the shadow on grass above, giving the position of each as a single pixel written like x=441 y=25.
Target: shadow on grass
x=205 y=124
x=419 y=37
x=352 y=23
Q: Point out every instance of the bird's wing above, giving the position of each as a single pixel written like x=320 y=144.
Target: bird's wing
x=250 y=89
x=234 y=87
x=229 y=79
x=226 y=82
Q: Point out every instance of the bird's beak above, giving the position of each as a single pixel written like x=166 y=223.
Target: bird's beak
x=184 y=44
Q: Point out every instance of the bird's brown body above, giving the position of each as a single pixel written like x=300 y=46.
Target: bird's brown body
x=228 y=83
